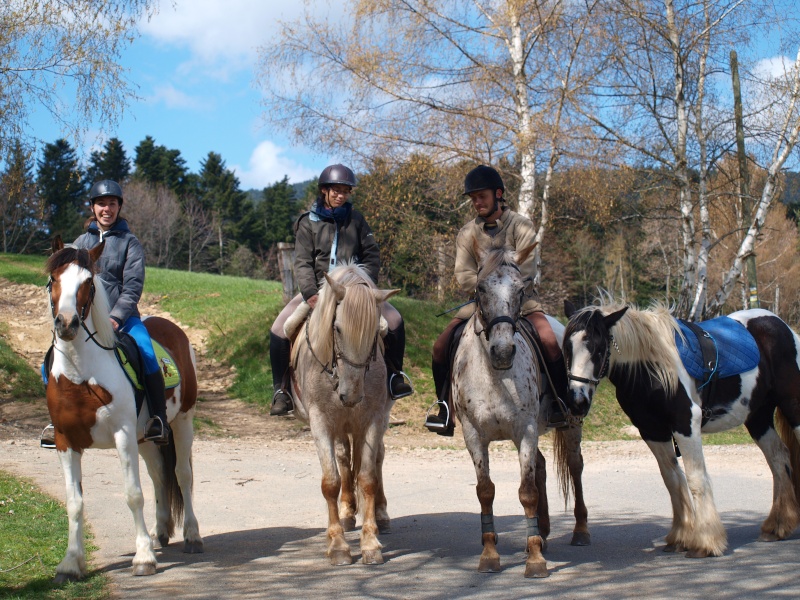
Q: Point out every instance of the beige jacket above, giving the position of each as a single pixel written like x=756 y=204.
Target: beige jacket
x=519 y=233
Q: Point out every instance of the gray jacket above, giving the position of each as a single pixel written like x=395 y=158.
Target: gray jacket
x=120 y=268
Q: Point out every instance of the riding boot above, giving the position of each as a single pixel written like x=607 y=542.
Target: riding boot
x=444 y=422
x=279 y=357
x=394 y=348
x=558 y=378
x=157 y=428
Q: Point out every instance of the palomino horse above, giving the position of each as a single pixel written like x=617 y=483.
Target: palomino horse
x=496 y=393
x=638 y=351
x=339 y=385
x=92 y=405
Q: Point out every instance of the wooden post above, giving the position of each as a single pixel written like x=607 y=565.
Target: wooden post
x=286 y=267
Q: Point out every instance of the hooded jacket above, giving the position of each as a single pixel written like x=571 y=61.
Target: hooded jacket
x=314 y=237
x=120 y=267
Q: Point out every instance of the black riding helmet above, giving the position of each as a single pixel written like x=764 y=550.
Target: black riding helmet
x=337 y=175
x=482 y=178
x=105 y=187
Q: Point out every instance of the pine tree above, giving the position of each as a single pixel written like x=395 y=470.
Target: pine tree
x=61 y=187
x=21 y=209
x=157 y=164
x=277 y=212
x=112 y=163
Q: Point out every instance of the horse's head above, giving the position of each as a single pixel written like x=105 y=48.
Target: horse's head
x=587 y=351
x=499 y=295
x=355 y=304
x=71 y=286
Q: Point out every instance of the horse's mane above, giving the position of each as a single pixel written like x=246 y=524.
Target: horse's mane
x=358 y=310
x=646 y=338
x=495 y=258
x=100 y=310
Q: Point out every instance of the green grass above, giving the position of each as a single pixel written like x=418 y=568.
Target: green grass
x=33 y=530
x=17 y=380
x=20 y=268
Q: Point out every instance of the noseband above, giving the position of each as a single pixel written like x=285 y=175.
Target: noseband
x=603 y=369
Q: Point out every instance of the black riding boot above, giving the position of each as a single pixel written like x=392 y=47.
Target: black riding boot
x=394 y=345
x=280 y=358
x=157 y=428
x=442 y=423
x=558 y=378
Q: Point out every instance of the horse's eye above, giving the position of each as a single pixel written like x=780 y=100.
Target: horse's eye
x=337 y=329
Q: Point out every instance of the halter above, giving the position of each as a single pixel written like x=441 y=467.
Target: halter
x=603 y=369
x=82 y=316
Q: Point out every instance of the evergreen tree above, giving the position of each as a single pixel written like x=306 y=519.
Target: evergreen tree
x=277 y=212
x=21 y=209
x=157 y=164
x=112 y=163
x=61 y=187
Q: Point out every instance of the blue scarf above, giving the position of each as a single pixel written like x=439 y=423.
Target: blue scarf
x=340 y=215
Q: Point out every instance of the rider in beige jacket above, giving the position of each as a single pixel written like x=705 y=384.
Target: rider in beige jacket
x=494 y=220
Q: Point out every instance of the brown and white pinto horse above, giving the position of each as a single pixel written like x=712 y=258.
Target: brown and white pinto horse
x=92 y=405
x=637 y=350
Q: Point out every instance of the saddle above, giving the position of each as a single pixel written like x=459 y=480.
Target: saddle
x=715 y=349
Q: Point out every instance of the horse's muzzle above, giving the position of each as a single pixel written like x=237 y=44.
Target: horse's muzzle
x=66 y=331
x=502 y=356
x=350 y=400
x=579 y=400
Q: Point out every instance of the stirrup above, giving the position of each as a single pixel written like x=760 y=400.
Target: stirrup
x=282 y=404
x=162 y=437
x=403 y=378
x=434 y=422
x=48 y=438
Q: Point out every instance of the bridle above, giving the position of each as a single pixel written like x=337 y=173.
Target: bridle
x=487 y=329
x=603 y=368
x=81 y=316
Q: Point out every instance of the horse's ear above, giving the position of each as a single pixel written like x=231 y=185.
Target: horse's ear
x=569 y=309
x=337 y=288
x=522 y=255
x=611 y=319
x=57 y=244
x=95 y=252
x=383 y=295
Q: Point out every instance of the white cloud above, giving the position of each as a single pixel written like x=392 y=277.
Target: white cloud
x=172 y=97
x=775 y=67
x=269 y=164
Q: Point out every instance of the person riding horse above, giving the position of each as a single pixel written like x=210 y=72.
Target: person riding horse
x=121 y=269
x=331 y=233
x=485 y=188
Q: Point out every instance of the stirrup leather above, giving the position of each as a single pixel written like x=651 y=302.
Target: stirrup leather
x=403 y=377
x=48 y=438
x=435 y=425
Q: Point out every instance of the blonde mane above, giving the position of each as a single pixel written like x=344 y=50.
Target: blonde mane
x=358 y=309
x=645 y=338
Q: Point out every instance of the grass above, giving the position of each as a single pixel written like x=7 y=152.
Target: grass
x=17 y=380
x=33 y=530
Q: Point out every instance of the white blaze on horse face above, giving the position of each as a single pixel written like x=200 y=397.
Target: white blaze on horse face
x=581 y=365
x=66 y=305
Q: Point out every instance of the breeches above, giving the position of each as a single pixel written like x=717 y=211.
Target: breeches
x=136 y=329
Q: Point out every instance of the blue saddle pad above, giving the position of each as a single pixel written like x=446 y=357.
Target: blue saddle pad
x=737 y=351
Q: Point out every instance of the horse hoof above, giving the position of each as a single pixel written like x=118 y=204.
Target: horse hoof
x=384 y=527
x=190 y=547
x=144 y=570
x=62 y=578
x=581 y=538
x=348 y=523
x=698 y=554
x=536 y=570
x=340 y=558
x=674 y=548
x=768 y=537
x=489 y=565
x=372 y=557
x=163 y=540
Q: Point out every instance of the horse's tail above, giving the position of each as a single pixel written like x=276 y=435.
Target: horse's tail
x=561 y=457
x=788 y=437
x=174 y=499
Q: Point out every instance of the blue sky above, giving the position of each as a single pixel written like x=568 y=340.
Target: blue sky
x=194 y=67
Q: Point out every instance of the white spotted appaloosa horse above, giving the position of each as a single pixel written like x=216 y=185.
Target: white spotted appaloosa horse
x=339 y=386
x=638 y=351
x=92 y=405
x=496 y=393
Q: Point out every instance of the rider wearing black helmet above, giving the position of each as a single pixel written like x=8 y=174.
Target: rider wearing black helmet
x=121 y=269
x=485 y=188
x=330 y=233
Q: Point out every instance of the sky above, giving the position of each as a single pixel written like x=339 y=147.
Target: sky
x=194 y=66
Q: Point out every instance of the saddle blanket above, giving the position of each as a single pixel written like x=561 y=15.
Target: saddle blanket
x=736 y=349
x=169 y=370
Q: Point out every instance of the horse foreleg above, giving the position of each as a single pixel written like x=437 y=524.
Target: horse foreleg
x=568 y=444
x=338 y=549
x=73 y=566
x=479 y=451
x=347 y=500
x=144 y=561
x=366 y=462
x=681 y=533
x=783 y=517
x=153 y=461
x=183 y=434
x=543 y=508
x=535 y=566
x=381 y=511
